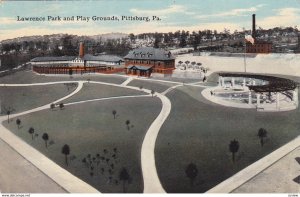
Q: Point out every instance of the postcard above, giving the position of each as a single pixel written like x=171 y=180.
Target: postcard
x=150 y=96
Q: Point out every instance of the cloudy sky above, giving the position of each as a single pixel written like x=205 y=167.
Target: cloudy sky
x=175 y=15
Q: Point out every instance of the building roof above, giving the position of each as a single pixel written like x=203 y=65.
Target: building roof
x=145 y=68
x=276 y=84
x=105 y=58
x=87 y=57
x=149 y=53
x=52 y=59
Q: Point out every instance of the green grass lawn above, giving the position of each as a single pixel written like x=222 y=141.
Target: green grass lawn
x=198 y=131
x=94 y=91
x=151 y=85
x=25 y=98
x=89 y=129
x=176 y=79
x=31 y=77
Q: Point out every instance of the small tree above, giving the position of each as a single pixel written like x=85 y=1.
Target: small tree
x=61 y=106
x=193 y=64
x=66 y=151
x=52 y=106
x=187 y=63
x=152 y=92
x=124 y=176
x=114 y=112
x=127 y=124
x=180 y=62
x=191 y=172
x=8 y=113
x=45 y=138
x=234 y=148
x=31 y=131
x=262 y=133
x=18 y=122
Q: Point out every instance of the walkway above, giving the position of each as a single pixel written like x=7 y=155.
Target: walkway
x=151 y=181
x=62 y=177
x=20 y=176
x=66 y=180
x=278 y=178
x=128 y=80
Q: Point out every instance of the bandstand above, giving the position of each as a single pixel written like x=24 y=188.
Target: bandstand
x=265 y=93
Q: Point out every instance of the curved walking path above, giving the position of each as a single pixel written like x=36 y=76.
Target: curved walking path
x=65 y=179
x=62 y=177
x=151 y=181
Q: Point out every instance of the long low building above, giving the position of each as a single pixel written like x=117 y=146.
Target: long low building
x=78 y=64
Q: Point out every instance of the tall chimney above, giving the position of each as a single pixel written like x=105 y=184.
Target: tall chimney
x=253 y=26
x=81 y=49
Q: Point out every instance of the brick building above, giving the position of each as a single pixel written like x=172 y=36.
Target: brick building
x=83 y=63
x=259 y=46
x=146 y=60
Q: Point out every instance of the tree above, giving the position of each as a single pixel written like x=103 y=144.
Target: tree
x=262 y=133
x=156 y=43
x=127 y=124
x=52 y=106
x=152 y=92
x=45 y=138
x=124 y=176
x=193 y=64
x=18 y=122
x=180 y=62
x=61 y=105
x=182 y=42
x=234 y=148
x=31 y=131
x=66 y=151
x=191 y=172
x=187 y=63
x=114 y=112
x=8 y=113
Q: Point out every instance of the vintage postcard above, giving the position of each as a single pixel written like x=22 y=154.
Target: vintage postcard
x=150 y=96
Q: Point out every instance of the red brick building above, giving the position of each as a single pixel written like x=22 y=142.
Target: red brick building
x=259 y=46
x=146 y=60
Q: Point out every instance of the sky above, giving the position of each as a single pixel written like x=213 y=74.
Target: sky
x=188 y=15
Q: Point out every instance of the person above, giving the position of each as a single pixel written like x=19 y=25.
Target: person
x=211 y=93
x=204 y=78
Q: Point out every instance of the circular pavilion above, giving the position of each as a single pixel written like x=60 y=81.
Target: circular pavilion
x=243 y=90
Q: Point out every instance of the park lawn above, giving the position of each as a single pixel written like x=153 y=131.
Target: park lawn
x=90 y=128
x=198 y=131
x=151 y=85
x=28 y=97
x=94 y=91
x=176 y=79
x=28 y=76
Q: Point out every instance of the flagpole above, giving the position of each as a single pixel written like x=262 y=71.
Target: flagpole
x=245 y=56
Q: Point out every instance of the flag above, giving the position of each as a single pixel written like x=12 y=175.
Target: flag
x=249 y=38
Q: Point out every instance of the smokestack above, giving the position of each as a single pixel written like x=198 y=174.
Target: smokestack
x=81 y=50
x=253 y=26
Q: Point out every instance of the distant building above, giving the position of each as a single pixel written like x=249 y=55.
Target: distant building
x=146 y=60
x=259 y=46
x=84 y=63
